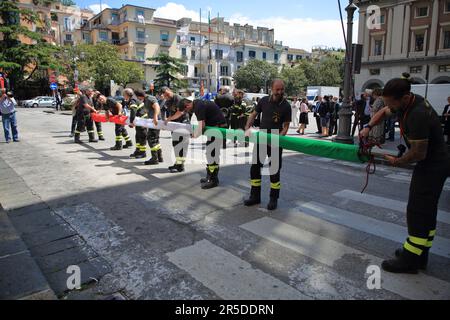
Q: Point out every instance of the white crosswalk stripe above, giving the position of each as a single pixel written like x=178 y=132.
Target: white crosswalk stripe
x=385 y=203
x=406 y=178
x=329 y=252
x=390 y=231
x=230 y=277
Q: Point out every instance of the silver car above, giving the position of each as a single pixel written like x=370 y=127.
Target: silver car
x=41 y=102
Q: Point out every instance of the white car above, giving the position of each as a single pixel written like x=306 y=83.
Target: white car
x=40 y=102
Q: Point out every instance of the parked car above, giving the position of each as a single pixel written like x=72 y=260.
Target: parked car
x=40 y=102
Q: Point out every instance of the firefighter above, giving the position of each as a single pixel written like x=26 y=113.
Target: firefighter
x=240 y=112
x=116 y=108
x=421 y=129
x=276 y=117
x=153 y=111
x=97 y=107
x=138 y=110
x=225 y=101
x=180 y=140
x=83 y=115
x=208 y=115
x=112 y=107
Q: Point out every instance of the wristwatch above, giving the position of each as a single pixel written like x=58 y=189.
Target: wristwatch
x=368 y=126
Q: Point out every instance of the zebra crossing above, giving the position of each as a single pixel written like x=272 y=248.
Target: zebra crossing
x=319 y=267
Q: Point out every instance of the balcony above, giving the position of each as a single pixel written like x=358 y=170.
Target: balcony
x=165 y=43
x=116 y=42
x=68 y=42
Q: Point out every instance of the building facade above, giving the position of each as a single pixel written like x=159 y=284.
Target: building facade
x=406 y=36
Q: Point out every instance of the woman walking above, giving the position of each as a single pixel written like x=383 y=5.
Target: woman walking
x=304 y=115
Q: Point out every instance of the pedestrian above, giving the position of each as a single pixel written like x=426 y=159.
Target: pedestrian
x=362 y=115
x=8 y=113
x=325 y=116
x=295 y=112
x=74 y=113
x=446 y=120
x=58 y=101
x=180 y=140
x=316 y=110
x=208 y=115
x=334 y=116
x=304 y=116
x=84 y=120
x=276 y=118
x=225 y=101
x=377 y=132
x=422 y=132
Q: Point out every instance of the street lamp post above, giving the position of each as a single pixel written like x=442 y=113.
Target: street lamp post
x=345 y=114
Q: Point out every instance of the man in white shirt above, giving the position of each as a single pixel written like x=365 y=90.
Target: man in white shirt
x=295 y=112
x=8 y=112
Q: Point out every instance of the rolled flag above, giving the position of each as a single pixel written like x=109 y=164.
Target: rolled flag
x=171 y=126
x=120 y=120
x=97 y=117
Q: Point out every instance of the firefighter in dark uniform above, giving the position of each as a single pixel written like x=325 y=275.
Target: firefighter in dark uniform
x=275 y=119
x=240 y=112
x=115 y=108
x=83 y=115
x=180 y=140
x=153 y=111
x=97 y=107
x=422 y=132
x=138 y=110
x=225 y=101
x=208 y=115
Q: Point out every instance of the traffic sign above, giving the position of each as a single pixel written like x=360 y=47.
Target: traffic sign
x=53 y=86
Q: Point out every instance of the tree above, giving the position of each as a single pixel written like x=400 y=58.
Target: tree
x=329 y=72
x=168 y=71
x=99 y=63
x=255 y=75
x=295 y=80
x=21 y=60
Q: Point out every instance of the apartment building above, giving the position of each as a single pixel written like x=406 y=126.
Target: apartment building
x=408 y=36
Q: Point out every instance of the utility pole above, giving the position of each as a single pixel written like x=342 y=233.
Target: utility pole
x=345 y=114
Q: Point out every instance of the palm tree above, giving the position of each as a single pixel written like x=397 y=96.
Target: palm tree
x=169 y=71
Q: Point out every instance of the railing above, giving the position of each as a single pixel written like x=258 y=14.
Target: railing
x=116 y=42
x=68 y=42
x=165 y=43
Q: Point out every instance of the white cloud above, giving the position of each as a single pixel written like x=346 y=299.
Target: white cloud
x=302 y=33
x=176 y=11
x=96 y=7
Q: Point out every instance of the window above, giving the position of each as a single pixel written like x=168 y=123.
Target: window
x=240 y=56
x=165 y=36
x=193 y=53
x=210 y=69
x=374 y=72
x=252 y=54
x=140 y=54
x=140 y=34
x=196 y=72
x=422 y=12
x=416 y=69
x=378 y=49
x=419 y=42
x=298 y=57
x=54 y=16
x=219 y=54
x=103 y=35
x=140 y=15
x=68 y=37
x=444 y=68
x=447 y=7
x=275 y=57
x=67 y=24
x=381 y=19
x=192 y=40
x=114 y=18
x=264 y=55
x=226 y=82
x=184 y=70
x=178 y=39
x=183 y=52
x=447 y=39
x=84 y=22
x=290 y=57
x=224 y=71
x=125 y=32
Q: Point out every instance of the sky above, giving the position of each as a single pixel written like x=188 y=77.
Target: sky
x=298 y=23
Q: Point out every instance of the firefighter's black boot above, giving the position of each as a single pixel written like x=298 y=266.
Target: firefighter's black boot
x=92 y=138
x=136 y=152
x=407 y=262
x=160 y=156
x=213 y=180
x=141 y=155
x=255 y=197
x=208 y=176
x=423 y=261
x=117 y=147
x=100 y=136
x=273 y=204
x=128 y=144
x=177 y=168
x=77 y=138
x=154 y=160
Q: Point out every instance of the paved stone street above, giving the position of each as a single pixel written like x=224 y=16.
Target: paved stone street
x=140 y=232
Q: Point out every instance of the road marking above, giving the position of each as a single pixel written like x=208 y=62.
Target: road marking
x=390 y=231
x=385 y=203
x=331 y=253
x=407 y=179
x=230 y=277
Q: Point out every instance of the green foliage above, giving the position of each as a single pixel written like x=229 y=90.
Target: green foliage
x=99 y=63
x=256 y=75
x=295 y=79
x=168 y=71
